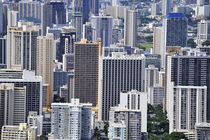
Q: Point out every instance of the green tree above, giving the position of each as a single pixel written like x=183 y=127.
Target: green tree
x=191 y=43
x=206 y=43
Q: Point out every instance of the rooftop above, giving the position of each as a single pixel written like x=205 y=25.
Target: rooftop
x=175 y=15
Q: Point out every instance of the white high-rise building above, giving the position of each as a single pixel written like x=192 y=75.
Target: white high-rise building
x=12 y=18
x=200 y=2
x=135 y=100
x=12 y=105
x=45 y=54
x=188 y=106
x=119 y=73
x=21 y=46
x=130 y=28
x=35 y=120
x=71 y=120
x=203 y=33
x=21 y=131
x=102 y=29
x=166 y=7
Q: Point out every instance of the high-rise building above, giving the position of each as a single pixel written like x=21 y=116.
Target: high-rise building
x=35 y=120
x=22 y=131
x=87 y=71
x=29 y=9
x=13 y=104
x=87 y=31
x=102 y=29
x=203 y=33
x=188 y=106
x=134 y=100
x=202 y=131
x=119 y=73
x=45 y=56
x=21 y=46
x=157 y=40
x=77 y=23
x=188 y=71
x=117 y=131
x=200 y=2
x=156 y=8
x=12 y=18
x=175 y=30
x=166 y=7
x=1 y=17
x=130 y=28
x=67 y=39
x=3 y=52
x=32 y=84
x=58 y=12
x=131 y=119
x=94 y=7
x=71 y=120
x=46 y=17
x=151 y=77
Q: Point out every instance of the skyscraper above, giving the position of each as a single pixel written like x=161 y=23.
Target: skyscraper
x=130 y=28
x=175 y=30
x=203 y=33
x=119 y=73
x=46 y=17
x=21 y=42
x=29 y=9
x=134 y=100
x=188 y=71
x=45 y=54
x=102 y=28
x=12 y=18
x=77 y=23
x=1 y=17
x=188 y=106
x=87 y=71
x=31 y=83
x=166 y=7
x=71 y=120
x=13 y=104
x=58 y=12
x=3 y=52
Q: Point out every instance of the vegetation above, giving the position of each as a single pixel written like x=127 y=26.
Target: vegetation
x=146 y=46
x=101 y=133
x=191 y=43
x=158 y=125
x=206 y=43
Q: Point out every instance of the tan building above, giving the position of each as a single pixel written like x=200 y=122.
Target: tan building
x=21 y=42
x=21 y=132
x=87 y=71
x=45 y=56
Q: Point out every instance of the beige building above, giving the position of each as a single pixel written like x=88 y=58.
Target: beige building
x=21 y=132
x=21 y=46
x=45 y=56
x=87 y=71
